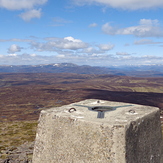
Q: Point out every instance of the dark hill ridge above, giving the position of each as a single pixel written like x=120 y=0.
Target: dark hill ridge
x=54 y=68
x=137 y=71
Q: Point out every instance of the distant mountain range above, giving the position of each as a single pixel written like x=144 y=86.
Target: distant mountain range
x=137 y=71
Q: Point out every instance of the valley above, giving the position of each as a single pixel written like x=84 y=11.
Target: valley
x=24 y=95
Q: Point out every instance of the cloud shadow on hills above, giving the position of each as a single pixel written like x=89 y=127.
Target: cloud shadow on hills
x=142 y=98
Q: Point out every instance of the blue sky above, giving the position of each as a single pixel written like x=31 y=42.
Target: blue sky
x=84 y=32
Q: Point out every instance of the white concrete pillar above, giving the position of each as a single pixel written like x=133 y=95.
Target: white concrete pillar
x=97 y=131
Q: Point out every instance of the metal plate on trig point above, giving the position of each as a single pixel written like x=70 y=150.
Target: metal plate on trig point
x=101 y=110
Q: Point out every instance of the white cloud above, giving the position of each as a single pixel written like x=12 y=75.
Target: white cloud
x=145 y=41
x=69 y=45
x=28 y=15
x=90 y=50
x=20 y=4
x=108 y=29
x=93 y=25
x=60 y=56
x=69 y=38
x=146 y=28
x=122 y=54
x=106 y=47
x=14 y=48
x=94 y=59
x=151 y=22
x=55 y=44
x=123 y=4
x=33 y=55
x=12 y=55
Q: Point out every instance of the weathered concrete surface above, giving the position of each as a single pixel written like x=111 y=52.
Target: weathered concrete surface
x=127 y=134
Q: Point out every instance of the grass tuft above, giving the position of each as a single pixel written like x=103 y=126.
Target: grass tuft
x=13 y=134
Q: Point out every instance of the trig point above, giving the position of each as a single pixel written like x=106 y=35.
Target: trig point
x=98 y=131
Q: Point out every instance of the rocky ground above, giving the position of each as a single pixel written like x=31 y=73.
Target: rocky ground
x=21 y=154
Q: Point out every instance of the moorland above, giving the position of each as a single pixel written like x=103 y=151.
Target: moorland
x=24 y=95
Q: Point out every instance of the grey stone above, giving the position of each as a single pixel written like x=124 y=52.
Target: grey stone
x=76 y=133
x=20 y=154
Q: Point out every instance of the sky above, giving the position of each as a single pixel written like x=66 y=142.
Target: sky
x=83 y=32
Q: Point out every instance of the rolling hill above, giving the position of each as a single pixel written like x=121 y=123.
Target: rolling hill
x=137 y=71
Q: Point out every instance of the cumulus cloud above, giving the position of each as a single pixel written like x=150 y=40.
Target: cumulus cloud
x=27 y=5
x=90 y=50
x=123 y=4
x=13 y=55
x=69 y=45
x=14 y=48
x=69 y=38
x=28 y=15
x=146 y=28
x=20 y=4
x=54 y=44
x=151 y=22
x=106 y=47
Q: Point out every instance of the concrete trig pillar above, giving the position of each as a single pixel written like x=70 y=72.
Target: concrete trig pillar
x=97 y=131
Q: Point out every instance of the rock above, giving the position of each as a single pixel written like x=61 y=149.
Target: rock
x=21 y=154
